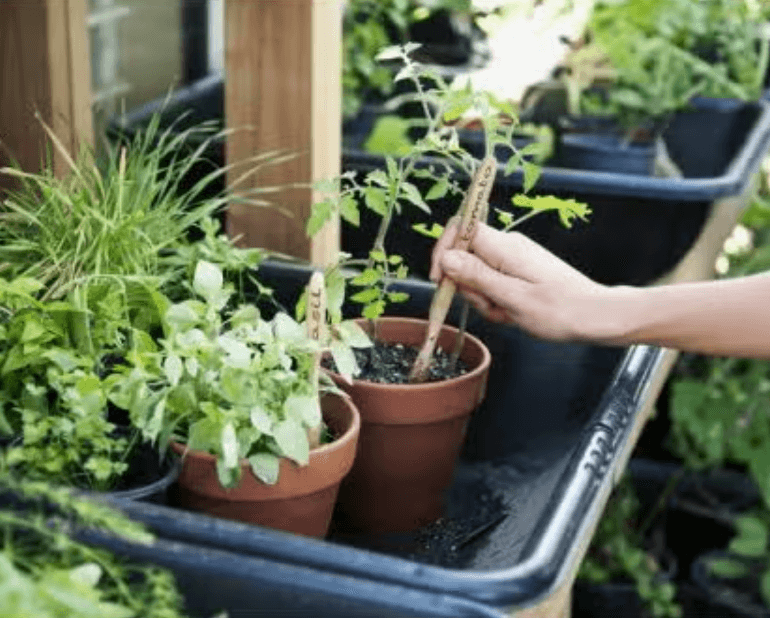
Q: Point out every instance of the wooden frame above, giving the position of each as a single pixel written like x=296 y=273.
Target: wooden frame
x=45 y=60
x=283 y=67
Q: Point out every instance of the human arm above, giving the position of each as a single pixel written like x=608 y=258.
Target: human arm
x=510 y=278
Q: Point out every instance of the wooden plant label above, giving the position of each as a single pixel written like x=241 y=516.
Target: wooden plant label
x=474 y=209
x=316 y=326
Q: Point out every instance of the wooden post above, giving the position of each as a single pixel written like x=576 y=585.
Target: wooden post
x=283 y=63
x=45 y=62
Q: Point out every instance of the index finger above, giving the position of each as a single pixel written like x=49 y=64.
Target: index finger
x=442 y=244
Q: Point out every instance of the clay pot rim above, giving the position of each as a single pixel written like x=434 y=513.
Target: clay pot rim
x=351 y=434
x=486 y=361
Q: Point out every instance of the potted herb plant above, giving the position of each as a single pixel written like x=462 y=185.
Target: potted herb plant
x=643 y=65
x=412 y=432
x=236 y=396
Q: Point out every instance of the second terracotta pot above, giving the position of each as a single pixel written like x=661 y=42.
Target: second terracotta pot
x=411 y=436
x=303 y=499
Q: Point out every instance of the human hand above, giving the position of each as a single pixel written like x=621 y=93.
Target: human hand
x=509 y=278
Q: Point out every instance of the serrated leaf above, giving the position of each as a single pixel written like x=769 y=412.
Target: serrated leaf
x=404 y=73
x=319 y=215
x=369 y=276
x=335 y=295
x=531 y=175
x=291 y=439
x=377 y=256
x=374 y=310
x=208 y=280
x=377 y=177
x=438 y=190
x=183 y=315
x=568 y=209
x=392 y=166
x=398 y=297
x=412 y=195
x=366 y=296
x=435 y=230
x=349 y=210
x=375 y=200
x=266 y=467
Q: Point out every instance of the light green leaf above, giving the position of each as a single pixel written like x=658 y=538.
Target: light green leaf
x=266 y=467
x=304 y=408
x=245 y=314
x=261 y=420
x=345 y=360
x=369 y=276
x=349 y=210
x=412 y=194
x=172 y=367
x=438 y=190
x=398 y=297
x=353 y=335
x=335 y=294
x=228 y=477
x=389 y=53
x=764 y=586
x=365 y=296
x=568 y=209
x=531 y=175
x=183 y=315
x=374 y=310
x=319 y=215
x=727 y=568
x=377 y=177
x=286 y=328
x=208 y=280
x=229 y=446
x=435 y=230
x=87 y=574
x=752 y=537
x=375 y=200
x=238 y=353
x=291 y=438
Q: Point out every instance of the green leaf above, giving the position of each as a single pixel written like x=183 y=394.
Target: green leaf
x=183 y=315
x=375 y=200
x=366 y=296
x=208 y=280
x=266 y=467
x=229 y=443
x=377 y=177
x=398 y=297
x=374 y=310
x=390 y=135
x=369 y=276
x=349 y=210
x=378 y=256
x=568 y=209
x=395 y=260
x=435 y=230
x=412 y=194
x=344 y=359
x=320 y=213
x=727 y=568
x=353 y=335
x=291 y=439
x=335 y=294
x=764 y=586
x=531 y=175
x=245 y=314
x=389 y=53
x=457 y=109
x=228 y=477
x=438 y=190
x=304 y=408
x=261 y=420
x=172 y=367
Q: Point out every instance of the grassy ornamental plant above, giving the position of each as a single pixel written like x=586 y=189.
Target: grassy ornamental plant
x=438 y=161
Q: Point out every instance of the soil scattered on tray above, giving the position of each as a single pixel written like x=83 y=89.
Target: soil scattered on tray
x=390 y=363
x=451 y=541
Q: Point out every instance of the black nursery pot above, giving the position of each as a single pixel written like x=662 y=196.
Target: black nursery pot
x=717 y=597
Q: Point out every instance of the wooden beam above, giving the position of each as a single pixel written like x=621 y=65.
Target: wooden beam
x=283 y=63
x=45 y=69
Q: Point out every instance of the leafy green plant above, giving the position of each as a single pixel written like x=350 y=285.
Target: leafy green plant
x=664 y=52
x=46 y=573
x=237 y=387
x=618 y=552
x=436 y=160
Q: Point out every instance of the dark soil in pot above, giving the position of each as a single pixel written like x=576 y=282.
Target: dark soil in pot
x=735 y=597
x=387 y=363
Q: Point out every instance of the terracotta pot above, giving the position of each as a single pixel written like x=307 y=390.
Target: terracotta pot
x=303 y=499
x=411 y=435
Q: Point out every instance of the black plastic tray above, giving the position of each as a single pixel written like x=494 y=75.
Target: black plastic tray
x=545 y=445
